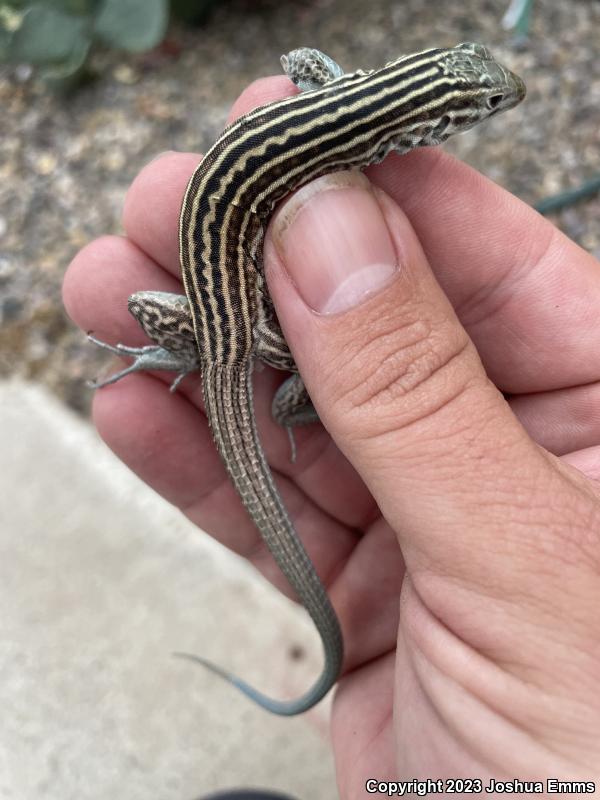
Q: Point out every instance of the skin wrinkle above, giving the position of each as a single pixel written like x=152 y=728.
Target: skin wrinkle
x=442 y=720
x=423 y=332
x=487 y=419
x=545 y=615
x=374 y=398
x=472 y=746
x=388 y=337
x=486 y=648
x=495 y=705
x=416 y=421
x=421 y=376
x=412 y=650
x=502 y=288
x=377 y=338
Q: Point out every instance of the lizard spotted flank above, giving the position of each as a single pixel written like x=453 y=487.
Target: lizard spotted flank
x=338 y=121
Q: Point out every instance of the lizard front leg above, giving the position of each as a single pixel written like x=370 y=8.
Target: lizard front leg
x=292 y=407
x=309 y=68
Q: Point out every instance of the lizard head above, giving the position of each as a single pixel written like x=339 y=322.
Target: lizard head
x=484 y=87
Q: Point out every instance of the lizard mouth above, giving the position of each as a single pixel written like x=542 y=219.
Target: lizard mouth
x=518 y=89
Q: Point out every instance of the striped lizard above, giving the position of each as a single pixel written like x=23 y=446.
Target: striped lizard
x=226 y=320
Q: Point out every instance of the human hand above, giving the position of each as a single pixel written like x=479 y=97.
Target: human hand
x=489 y=668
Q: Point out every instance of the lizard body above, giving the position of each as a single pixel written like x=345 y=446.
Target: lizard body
x=339 y=121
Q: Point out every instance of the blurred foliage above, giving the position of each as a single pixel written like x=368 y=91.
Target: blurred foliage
x=192 y=12
x=518 y=17
x=57 y=36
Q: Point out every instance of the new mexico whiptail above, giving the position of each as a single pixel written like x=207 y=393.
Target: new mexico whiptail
x=338 y=121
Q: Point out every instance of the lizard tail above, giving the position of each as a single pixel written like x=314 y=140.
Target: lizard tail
x=229 y=407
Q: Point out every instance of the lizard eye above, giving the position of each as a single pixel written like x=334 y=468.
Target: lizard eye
x=493 y=101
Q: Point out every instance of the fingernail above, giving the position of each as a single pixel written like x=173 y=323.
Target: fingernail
x=334 y=242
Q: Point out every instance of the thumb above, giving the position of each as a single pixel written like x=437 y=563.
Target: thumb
x=400 y=387
x=500 y=596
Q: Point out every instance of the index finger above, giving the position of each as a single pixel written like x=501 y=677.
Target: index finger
x=528 y=296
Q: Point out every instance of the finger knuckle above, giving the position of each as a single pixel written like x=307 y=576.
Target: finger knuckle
x=404 y=373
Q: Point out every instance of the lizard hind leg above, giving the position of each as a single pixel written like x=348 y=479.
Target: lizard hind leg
x=291 y=407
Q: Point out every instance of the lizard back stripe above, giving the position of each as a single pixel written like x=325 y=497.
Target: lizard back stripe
x=350 y=122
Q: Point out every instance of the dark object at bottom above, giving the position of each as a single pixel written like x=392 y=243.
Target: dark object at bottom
x=247 y=794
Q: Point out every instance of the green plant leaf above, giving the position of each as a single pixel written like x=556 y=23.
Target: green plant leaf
x=76 y=8
x=47 y=36
x=15 y=4
x=79 y=7
x=69 y=66
x=133 y=25
x=5 y=37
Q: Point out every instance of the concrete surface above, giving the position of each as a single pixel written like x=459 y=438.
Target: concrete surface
x=100 y=580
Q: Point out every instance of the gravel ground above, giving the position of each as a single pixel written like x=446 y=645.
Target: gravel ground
x=66 y=162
